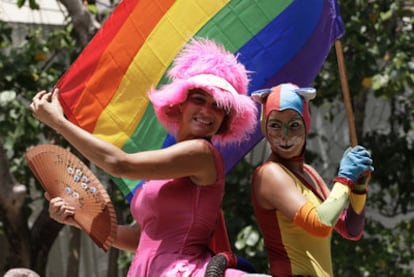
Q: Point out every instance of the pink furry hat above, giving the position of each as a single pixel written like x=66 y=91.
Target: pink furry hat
x=207 y=65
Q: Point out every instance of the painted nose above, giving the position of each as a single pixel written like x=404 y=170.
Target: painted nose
x=285 y=129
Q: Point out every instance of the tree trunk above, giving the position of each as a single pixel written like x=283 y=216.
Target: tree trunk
x=12 y=198
x=72 y=269
x=44 y=232
x=84 y=22
x=113 y=262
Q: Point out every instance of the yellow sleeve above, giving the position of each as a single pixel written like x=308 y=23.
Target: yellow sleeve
x=358 y=198
x=330 y=210
x=319 y=221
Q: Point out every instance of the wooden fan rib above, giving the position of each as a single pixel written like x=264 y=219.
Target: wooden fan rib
x=98 y=228
x=61 y=174
x=38 y=164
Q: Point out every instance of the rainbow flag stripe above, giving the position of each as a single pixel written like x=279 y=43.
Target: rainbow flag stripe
x=105 y=89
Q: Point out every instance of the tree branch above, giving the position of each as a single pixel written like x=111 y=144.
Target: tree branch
x=84 y=22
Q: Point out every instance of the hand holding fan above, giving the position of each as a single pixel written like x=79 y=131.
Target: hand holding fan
x=63 y=174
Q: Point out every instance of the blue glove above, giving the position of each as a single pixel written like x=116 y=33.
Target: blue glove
x=354 y=163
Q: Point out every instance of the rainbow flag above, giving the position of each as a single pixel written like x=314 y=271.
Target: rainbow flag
x=105 y=89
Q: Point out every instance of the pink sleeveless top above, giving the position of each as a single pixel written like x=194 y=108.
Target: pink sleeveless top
x=177 y=220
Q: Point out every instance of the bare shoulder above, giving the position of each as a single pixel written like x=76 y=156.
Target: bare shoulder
x=200 y=162
x=275 y=188
x=271 y=174
x=194 y=146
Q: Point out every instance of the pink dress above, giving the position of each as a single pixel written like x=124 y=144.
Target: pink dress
x=177 y=220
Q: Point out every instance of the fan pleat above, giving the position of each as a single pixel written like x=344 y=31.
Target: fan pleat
x=63 y=174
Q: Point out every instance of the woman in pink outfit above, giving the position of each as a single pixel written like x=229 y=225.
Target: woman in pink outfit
x=177 y=209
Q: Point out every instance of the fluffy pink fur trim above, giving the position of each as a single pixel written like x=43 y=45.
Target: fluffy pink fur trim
x=203 y=56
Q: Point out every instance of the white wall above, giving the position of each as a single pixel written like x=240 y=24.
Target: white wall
x=51 y=12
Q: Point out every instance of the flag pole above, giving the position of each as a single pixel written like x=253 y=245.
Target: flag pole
x=366 y=176
x=345 y=93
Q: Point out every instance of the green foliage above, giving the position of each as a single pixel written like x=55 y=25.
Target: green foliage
x=5 y=35
x=395 y=181
x=32 y=4
x=124 y=260
x=383 y=251
x=377 y=45
x=34 y=65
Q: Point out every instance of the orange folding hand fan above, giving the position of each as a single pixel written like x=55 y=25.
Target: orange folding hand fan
x=63 y=174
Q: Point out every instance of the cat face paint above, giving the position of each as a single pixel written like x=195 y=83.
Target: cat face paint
x=286 y=133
